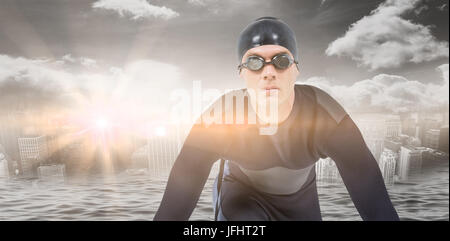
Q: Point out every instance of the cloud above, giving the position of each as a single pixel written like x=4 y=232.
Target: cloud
x=443 y=7
x=444 y=70
x=87 y=62
x=322 y=2
x=200 y=2
x=388 y=93
x=136 y=9
x=444 y=91
x=384 y=39
x=31 y=84
x=70 y=83
x=419 y=10
x=145 y=83
x=224 y=7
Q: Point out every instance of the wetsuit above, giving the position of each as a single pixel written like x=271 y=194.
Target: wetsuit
x=272 y=177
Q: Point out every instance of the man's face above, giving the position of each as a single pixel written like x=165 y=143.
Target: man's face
x=269 y=76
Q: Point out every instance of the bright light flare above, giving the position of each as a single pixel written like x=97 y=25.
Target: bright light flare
x=102 y=123
x=160 y=131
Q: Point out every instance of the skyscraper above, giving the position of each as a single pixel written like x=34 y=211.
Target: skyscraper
x=376 y=146
x=140 y=158
x=373 y=130
x=426 y=124
x=387 y=165
x=409 y=124
x=52 y=172
x=393 y=127
x=431 y=139
x=327 y=171
x=4 y=170
x=393 y=144
x=10 y=131
x=33 y=150
x=443 y=139
x=164 y=144
x=410 y=162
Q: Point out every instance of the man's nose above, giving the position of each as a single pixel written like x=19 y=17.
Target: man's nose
x=269 y=72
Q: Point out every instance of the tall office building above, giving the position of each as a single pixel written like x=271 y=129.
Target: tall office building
x=164 y=144
x=409 y=124
x=4 y=170
x=417 y=133
x=10 y=131
x=393 y=127
x=427 y=124
x=443 y=139
x=374 y=131
x=51 y=172
x=393 y=144
x=431 y=139
x=33 y=150
x=410 y=162
x=327 y=171
x=445 y=118
x=387 y=165
x=376 y=146
x=140 y=158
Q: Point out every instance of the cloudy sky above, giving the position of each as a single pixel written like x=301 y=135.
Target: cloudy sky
x=373 y=54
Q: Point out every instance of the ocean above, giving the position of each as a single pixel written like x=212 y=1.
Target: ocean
x=135 y=195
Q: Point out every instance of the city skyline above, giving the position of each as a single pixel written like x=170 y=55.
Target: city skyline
x=390 y=138
x=399 y=152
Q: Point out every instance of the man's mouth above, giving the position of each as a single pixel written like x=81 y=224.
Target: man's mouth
x=271 y=88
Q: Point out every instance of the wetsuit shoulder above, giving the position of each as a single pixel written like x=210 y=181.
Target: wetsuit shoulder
x=327 y=103
x=210 y=132
x=324 y=114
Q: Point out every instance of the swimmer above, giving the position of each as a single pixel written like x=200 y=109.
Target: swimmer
x=272 y=176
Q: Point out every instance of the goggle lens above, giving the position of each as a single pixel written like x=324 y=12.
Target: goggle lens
x=281 y=61
x=255 y=63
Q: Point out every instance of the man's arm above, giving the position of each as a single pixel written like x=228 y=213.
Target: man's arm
x=359 y=171
x=204 y=145
x=186 y=181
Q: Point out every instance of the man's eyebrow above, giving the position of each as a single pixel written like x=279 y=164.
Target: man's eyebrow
x=282 y=52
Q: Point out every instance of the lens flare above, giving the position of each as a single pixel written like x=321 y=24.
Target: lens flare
x=102 y=124
x=160 y=131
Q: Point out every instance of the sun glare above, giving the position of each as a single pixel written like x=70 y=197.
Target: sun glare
x=102 y=123
x=160 y=131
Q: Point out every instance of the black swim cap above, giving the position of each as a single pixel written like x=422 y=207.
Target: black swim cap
x=264 y=31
